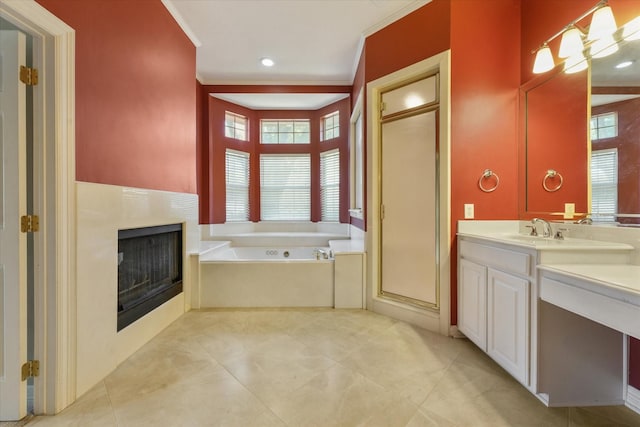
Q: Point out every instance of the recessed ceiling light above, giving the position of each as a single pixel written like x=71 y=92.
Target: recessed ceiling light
x=624 y=64
x=267 y=62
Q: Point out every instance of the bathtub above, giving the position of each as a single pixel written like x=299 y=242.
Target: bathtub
x=266 y=277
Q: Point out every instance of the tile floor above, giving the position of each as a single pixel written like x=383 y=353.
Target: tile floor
x=313 y=368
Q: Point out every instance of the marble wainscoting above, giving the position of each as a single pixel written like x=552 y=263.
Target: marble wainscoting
x=101 y=211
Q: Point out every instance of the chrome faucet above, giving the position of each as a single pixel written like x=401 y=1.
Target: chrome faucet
x=585 y=220
x=546 y=227
x=322 y=252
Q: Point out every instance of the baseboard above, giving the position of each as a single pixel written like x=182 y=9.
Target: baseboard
x=455 y=332
x=633 y=399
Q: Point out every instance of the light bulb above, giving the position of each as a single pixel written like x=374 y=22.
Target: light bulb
x=543 y=61
x=624 y=64
x=575 y=64
x=603 y=47
x=267 y=62
x=571 y=43
x=602 y=24
x=632 y=30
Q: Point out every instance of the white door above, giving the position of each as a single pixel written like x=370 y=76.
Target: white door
x=13 y=284
x=410 y=204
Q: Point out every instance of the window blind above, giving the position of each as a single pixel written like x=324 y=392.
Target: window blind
x=285 y=187
x=237 y=184
x=330 y=185
x=604 y=184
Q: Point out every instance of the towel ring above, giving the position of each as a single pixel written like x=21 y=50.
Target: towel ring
x=551 y=173
x=487 y=174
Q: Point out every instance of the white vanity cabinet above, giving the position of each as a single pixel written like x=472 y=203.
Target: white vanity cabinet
x=508 y=322
x=472 y=302
x=494 y=302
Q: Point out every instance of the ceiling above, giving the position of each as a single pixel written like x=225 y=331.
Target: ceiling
x=312 y=42
x=605 y=74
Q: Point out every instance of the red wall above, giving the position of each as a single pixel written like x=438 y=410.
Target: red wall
x=417 y=36
x=484 y=112
x=628 y=144
x=135 y=94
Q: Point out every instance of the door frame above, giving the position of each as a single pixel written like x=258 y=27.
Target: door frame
x=54 y=198
x=434 y=320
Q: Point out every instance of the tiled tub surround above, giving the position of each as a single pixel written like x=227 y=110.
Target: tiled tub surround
x=574 y=359
x=102 y=211
x=250 y=269
x=264 y=278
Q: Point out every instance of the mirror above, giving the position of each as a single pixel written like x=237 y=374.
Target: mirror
x=581 y=144
x=615 y=135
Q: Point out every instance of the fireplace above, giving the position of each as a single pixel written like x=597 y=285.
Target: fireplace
x=149 y=270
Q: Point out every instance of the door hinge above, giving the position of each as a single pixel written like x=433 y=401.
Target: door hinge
x=29 y=223
x=28 y=76
x=383 y=106
x=30 y=369
x=381 y=212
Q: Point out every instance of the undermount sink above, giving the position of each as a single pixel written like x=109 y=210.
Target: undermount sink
x=540 y=242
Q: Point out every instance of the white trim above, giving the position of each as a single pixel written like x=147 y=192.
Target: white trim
x=358 y=57
x=182 y=23
x=204 y=81
x=358 y=111
x=55 y=332
x=394 y=16
x=633 y=399
x=441 y=62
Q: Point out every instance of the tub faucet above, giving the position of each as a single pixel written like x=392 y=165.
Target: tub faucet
x=585 y=220
x=546 y=227
x=321 y=252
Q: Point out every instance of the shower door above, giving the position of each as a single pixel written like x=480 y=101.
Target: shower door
x=409 y=198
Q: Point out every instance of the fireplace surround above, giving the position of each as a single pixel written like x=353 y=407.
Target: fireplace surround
x=149 y=270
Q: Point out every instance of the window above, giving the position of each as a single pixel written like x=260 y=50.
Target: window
x=330 y=126
x=330 y=185
x=235 y=126
x=285 y=187
x=604 y=184
x=237 y=184
x=604 y=126
x=285 y=131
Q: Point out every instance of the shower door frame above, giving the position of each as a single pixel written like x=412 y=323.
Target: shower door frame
x=435 y=319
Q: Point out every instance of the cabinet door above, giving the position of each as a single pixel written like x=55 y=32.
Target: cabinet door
x=472 y=302
x=508 y=323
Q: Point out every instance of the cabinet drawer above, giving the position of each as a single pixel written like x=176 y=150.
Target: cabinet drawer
x=506 y=260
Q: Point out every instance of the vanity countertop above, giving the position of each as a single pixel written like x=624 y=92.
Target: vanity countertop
x=605 y=293
x=603 y=278
x=547 y=243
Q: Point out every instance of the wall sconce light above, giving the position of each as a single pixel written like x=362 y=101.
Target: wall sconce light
x=631 y=30
x=602 y=23
x=575 y=64
x=544 y=60
x=599 y=40
x=571 y=43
